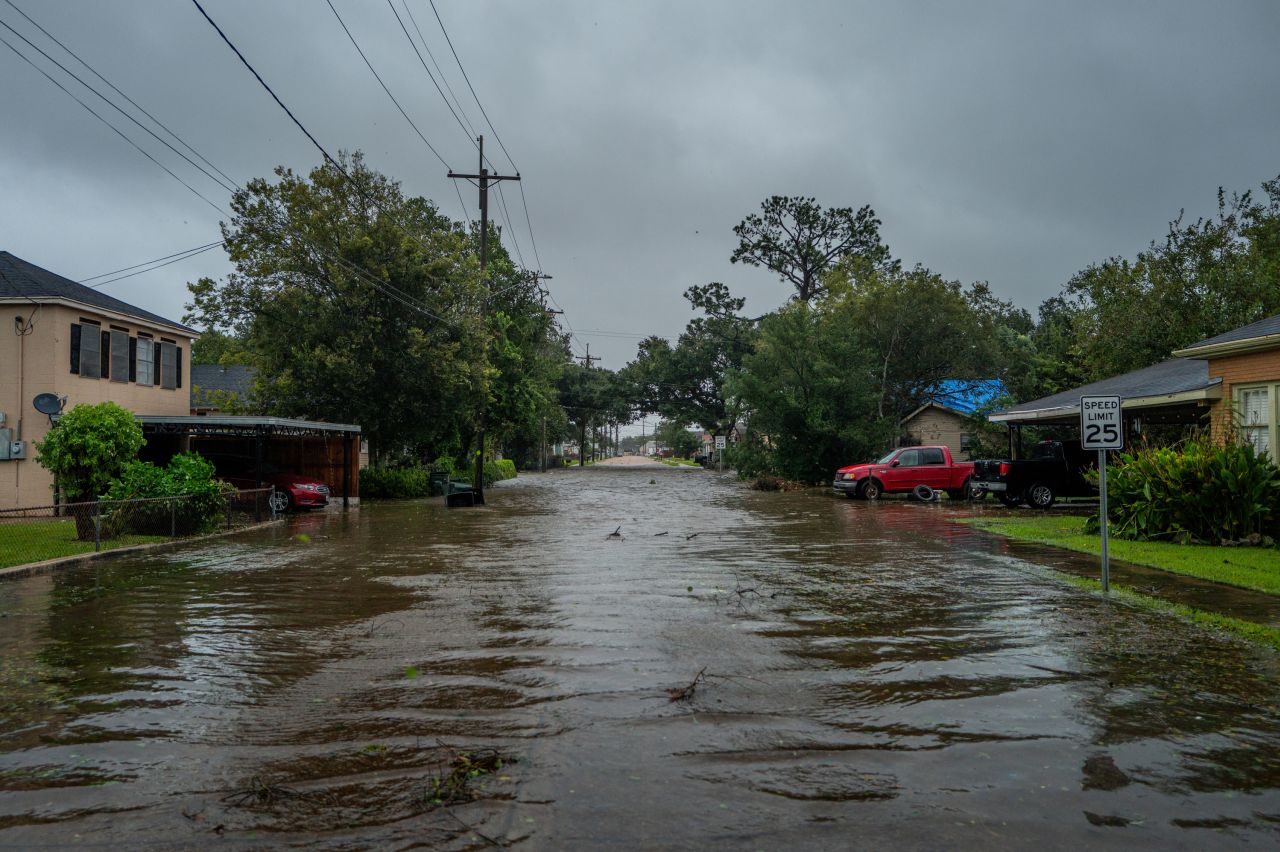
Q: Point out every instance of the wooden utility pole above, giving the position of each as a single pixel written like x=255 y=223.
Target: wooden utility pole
x=482 y=180
x=582 y=443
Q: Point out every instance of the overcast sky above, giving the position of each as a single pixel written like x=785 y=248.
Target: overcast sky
x=1013 y=142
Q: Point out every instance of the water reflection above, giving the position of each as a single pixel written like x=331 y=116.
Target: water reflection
x=870 y=667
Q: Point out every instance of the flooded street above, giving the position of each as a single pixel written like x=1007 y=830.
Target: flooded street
x=873 y=676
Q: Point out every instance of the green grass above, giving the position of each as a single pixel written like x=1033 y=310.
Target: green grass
x=1250 y=630
x=679 y=462
x=1256 y=568
x=35 y=541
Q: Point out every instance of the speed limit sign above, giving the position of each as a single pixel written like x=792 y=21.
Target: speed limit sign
x=1100 y=427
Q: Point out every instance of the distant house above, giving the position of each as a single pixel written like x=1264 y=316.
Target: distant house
x=947 y=419
x=83 y=346
x=213 y=387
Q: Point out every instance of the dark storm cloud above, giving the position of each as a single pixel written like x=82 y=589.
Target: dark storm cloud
x=1009 y=142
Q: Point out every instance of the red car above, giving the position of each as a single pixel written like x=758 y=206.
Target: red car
x=902 y=470
x=292 y=490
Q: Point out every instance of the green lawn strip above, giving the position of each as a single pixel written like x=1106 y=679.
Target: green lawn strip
x=1256 y=568
x=35 y=541
x=678 y=462
x=1250 y=630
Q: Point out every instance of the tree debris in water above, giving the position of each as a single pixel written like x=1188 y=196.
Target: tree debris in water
x=664 y=532
x=684 y=693
x=260 y=792
x=452 y=785
x=615 y=534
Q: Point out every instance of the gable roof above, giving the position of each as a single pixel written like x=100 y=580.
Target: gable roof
x=1263 y=334
x=1154 y=385
x=23 y=280
x=207 y=378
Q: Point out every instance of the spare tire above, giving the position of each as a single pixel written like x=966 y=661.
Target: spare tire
x=924 y=493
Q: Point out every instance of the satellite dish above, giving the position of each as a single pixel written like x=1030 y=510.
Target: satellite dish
x=49 y=403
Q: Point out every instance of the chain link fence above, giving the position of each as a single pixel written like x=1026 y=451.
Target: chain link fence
x=38 y=533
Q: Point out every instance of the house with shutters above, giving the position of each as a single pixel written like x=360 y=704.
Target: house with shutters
x=84 y=346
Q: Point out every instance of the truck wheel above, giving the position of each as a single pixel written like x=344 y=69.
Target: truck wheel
x=1040 y=496
x=1010 y=500
x=871 y=490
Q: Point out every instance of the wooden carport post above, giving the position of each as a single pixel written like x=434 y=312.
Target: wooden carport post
x=346 y=470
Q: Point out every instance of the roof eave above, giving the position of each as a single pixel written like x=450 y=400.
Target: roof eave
x=1231 y=347
x=1211 y=391
x=63 y=301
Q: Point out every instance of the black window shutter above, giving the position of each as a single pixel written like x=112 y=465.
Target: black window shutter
x=133 y=359
x=75 y=347
x=155 y=366
x=106 y=354
x=179 y=367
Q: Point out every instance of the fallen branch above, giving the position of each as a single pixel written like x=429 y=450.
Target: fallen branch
x=684 y=693
x=260 y=792
x=615 y=534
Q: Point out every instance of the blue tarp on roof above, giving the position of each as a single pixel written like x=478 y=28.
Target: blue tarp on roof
x=967 y=395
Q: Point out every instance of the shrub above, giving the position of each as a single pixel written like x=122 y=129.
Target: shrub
x=395 y=483
x=88 y=448
x=506 y=469
x=188 y=476
x=1200 y=490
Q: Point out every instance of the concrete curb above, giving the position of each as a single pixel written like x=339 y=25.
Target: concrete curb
x=32 y=569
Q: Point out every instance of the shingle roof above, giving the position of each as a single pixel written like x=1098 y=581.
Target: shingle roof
x=205 y=378
x=1261 y=328
x=21 y=279
x=1177 y=375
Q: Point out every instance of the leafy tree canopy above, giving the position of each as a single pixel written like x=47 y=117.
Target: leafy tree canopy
x=800 y=240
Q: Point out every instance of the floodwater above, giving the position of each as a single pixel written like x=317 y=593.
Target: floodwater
x=873 y=676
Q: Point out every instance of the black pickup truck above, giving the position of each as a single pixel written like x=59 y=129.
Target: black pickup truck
x=1055 y=469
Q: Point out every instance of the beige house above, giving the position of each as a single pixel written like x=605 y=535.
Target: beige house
x=934 y=424
x=62 y=338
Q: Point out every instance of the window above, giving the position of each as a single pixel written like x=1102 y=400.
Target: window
x=86 y=350
x=1256 y=421
x=909 y=458
x=966 y=443
x=932 y=455
x=119 y=355
x=146 y=359
x=170 y=363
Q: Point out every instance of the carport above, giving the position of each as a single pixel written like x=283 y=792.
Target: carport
x=1177 y=392
x=329 y=452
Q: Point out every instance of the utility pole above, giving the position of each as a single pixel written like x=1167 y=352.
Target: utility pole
x=483 y=180
x=582 y=444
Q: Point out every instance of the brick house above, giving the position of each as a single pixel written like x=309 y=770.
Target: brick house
x=1246 y=361
x=84 y=346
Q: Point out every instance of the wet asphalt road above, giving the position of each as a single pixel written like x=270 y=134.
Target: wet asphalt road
x=874 y=676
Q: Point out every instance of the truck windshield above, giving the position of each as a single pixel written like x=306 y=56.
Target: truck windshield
x=888 y=458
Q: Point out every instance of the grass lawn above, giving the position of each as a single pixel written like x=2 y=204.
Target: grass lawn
x=1256 y=568
x=678 y=462
x=35 y=541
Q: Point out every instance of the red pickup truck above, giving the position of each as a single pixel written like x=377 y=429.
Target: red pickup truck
x=902 y=470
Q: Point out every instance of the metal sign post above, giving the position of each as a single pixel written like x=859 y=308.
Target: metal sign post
x=720 y=444
x=1102 y=429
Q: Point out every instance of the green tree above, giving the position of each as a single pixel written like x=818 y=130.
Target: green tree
x=677 y=437
x=1204 y=278
x=685 y=382
x=810 y=390
x=355 y=304
x=799 y=240
x=88 y=448
x=585 y=394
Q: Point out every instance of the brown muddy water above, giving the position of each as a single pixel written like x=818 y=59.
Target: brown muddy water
x=875 y=677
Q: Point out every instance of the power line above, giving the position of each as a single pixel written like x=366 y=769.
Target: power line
x=113 y=105
x=114 y=129
x=178 y=257
x=469 y=86
x=439 y=70
x=377 y=77
x=117 y=90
